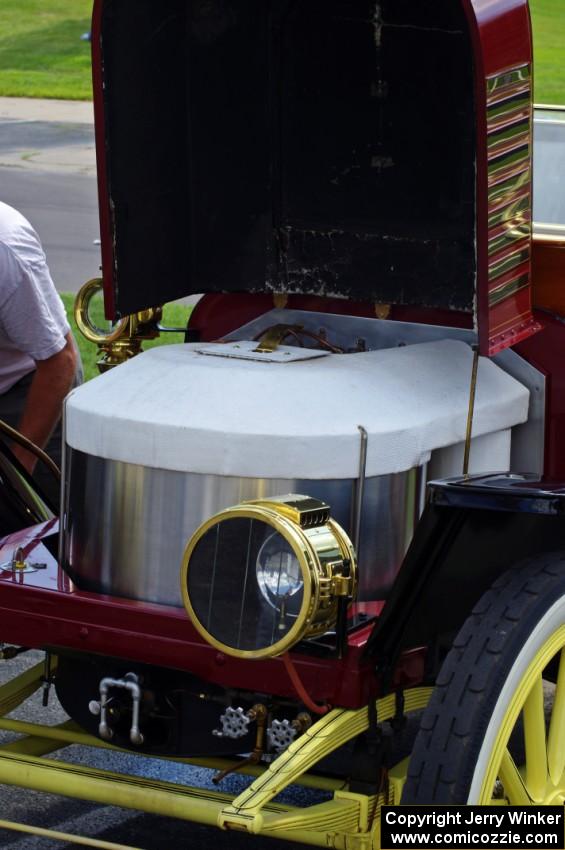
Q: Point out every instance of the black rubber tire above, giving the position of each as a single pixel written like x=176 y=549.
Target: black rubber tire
x=498 y=632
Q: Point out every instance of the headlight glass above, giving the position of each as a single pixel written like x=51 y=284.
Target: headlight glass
x=242 y=574
x=279 y=574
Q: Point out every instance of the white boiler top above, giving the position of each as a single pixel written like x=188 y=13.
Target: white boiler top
x=174 y=407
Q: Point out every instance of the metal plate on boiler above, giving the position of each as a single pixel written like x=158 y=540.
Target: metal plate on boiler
x=248 y=350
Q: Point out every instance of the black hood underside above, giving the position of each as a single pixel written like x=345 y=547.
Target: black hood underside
x=306 y=146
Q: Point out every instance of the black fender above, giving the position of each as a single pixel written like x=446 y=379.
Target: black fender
x=471 y=531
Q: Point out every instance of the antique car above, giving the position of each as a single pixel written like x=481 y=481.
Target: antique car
x=320 y=542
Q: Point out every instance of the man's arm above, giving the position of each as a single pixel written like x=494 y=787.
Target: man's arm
x=52 y=381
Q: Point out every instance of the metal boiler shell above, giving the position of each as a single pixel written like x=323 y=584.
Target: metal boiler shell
x=158 y=445
x=127 y=525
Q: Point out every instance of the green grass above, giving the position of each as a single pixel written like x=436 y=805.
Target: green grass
x=174 y=316
x=548 y=20
x=41 y=54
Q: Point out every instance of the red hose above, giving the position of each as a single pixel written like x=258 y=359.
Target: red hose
x=300 y=689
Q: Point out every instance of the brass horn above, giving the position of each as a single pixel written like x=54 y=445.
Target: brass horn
x=124 y=339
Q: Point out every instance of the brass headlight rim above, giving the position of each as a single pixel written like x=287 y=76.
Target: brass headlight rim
x=82 y=319
x=306 y=557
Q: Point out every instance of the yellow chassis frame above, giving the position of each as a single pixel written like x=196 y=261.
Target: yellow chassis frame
x=348 y=821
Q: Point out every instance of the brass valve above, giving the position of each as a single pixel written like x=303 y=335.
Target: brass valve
x=124 y=339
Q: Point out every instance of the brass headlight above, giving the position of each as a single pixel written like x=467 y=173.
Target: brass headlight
x=261 y=576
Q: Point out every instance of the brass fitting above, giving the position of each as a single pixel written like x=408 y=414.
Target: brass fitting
x=124 y=340
x=273 y=337
x=382 y=311
x=302 y=722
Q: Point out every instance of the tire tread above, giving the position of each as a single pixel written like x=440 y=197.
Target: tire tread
x=452 y=729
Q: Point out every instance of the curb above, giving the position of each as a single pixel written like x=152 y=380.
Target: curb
x=58 y=111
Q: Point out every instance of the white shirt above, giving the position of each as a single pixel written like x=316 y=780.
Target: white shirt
x=33 y=323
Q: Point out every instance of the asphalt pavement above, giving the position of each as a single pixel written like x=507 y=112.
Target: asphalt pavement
x=48 y=172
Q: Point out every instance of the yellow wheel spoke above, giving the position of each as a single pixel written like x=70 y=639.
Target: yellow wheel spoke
x=556 y=740
x=513 y=783
x=534 y=738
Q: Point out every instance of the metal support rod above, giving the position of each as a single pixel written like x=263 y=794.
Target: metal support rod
x=472 y=393
x=63 y=503
x=359 y=490
x=47 y=679
x=422 y=490
x=341 y=626
x=55 y=835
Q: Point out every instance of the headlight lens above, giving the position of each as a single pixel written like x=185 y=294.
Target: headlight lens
x=259 y=577
x=278 y=572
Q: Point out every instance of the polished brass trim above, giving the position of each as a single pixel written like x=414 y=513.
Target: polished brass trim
x=506 y=264
x=514 y=171
x=82 y=318
x=303 y=510
x=511 y=94
x=508 y=237
x=124 y=340
x=509 y=146
x=512 y=213
x=515 y=108
x=322 y=587
x=508 y=139
x=274 y=336
x=509 y=173
x=505 y=290
x=508 y=80
x=505 y=96
x=293 y=536
x=382 y=311
x=280 y=300
x=511 y=129
x=497 y=126
x=511 y=161
x=506 y=191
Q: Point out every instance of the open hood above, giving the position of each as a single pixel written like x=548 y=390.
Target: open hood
x=364 y=150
